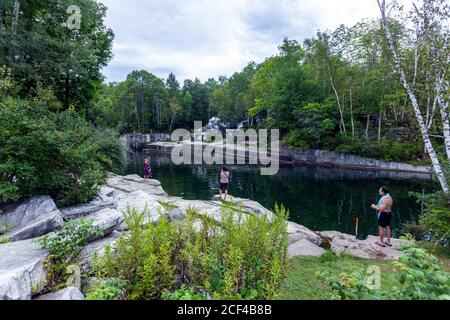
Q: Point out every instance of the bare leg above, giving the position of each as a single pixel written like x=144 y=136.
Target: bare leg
x=381 y=232
x=388 y=231
x=226 y=193
x=220 y=191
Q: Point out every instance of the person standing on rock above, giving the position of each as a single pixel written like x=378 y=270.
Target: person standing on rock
x=224 y=180
x=147 y=170
x=384 y=213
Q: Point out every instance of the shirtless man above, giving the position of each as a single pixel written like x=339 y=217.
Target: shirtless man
x=384 y=211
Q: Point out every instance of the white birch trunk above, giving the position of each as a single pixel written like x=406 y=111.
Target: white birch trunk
x=423 y=129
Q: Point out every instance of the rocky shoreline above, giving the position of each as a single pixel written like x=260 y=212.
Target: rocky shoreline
x=310 y=157
x=22 y=261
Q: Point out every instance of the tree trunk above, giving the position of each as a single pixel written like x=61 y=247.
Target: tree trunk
x=339 y=106
x=443 y=107
x=367 y=127
x=423 y=129
x=15 y=19
x=379 y=124
x=351 y=115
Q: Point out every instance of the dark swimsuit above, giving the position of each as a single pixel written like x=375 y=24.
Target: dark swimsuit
x=385 y=219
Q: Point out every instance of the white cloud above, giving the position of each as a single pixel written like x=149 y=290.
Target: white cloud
x=209 y=38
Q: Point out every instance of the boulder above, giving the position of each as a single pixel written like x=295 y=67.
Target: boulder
x=141 y=201
x=97 y=247
x=70 y=293
x=365 y=249
x=38 y=227
x=82 y=210
x=31 y=218
x=106 y=220
x=107 y=193
x=248 y=205
x=134 y=183
x=304 y=248
x=22 y=272
x=298 y=232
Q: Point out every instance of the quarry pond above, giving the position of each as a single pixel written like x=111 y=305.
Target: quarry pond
x=319 y=198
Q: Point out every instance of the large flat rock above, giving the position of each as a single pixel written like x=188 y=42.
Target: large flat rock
x=70 y=293
x=97 y=248
x=365 y=249
x=106 y=221
x=298 y=232
x=134 y=183
x=31 y=218
x=140 y=200
x=22 y=271
x=86 y=209
x=47 y=223
x=304 y=248
x=21 y=213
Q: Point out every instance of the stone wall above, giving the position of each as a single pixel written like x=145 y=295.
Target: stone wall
x=333 y=159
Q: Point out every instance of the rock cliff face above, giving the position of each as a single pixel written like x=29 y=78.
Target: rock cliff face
x=22 y=271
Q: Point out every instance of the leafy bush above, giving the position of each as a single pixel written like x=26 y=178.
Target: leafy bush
x=241 y=256
x=416 y=230
x=107 y=289
x=66 y=244
x=436 y=217
x=419 y=273
x=386 y=150
x=4 y=240
x=57 y=154
x=183 y=293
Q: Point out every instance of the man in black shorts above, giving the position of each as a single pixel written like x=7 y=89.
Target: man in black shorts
x=384 y=212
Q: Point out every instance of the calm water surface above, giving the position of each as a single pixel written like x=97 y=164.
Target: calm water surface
x=318 y=198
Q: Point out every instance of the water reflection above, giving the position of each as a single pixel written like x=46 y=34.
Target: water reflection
x=319 y=198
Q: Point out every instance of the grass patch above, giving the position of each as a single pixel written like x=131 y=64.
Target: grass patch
x=303 y=284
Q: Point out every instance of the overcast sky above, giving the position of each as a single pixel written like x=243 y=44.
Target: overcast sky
x=209 y=38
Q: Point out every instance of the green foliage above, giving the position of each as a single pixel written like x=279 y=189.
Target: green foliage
x=4 y=239
x=65 y=245
x=107 y=289
x=414 y=229
x=436 y=217
x=315 y=124
x=45 y=51
x=419 y=274
x=183 y=293
x=387 y=150
x=57 y=154
x=242 y=256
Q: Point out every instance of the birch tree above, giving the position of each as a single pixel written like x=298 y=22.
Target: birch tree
x=412 y=97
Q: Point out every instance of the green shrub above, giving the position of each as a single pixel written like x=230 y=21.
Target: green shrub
x=183 y=293
x=387 y=150
x=419 y=273
x=107 y=289
x=65 y=245
x=241 y=256
x=436 y=217
x=416 y=230
x=56 y=154
x=4 y=240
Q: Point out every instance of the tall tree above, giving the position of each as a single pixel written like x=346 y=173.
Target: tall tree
x=417 y=112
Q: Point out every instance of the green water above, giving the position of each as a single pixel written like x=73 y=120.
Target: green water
x=318 y=198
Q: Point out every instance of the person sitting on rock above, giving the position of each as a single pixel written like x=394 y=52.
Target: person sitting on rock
x=384 y=213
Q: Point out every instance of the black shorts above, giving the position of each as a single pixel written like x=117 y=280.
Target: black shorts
x=224 y=187
x=385 y=219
